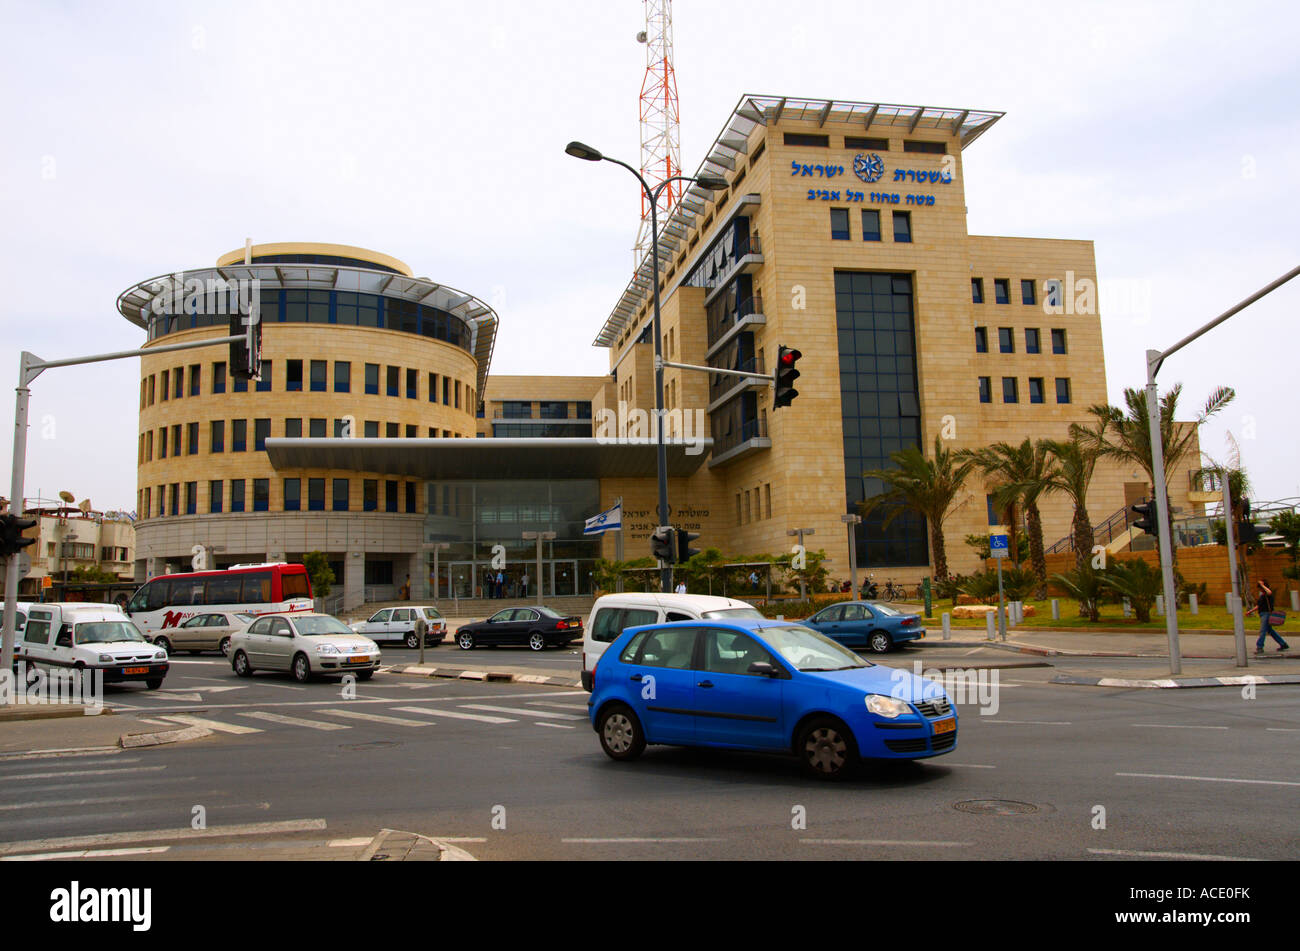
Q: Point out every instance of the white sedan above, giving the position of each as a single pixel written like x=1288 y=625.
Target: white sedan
x=402 y=625
x=305 y=645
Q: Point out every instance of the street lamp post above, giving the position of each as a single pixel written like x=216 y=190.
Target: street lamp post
x=587 y=153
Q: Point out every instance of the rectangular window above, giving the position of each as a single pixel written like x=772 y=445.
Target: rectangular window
x=1027 y=295
x=1010 y=391
x=261 y=495
x=433 y=387
x=293 y=428
x=176 y=498
x=840 y=224
x=236 y=495
x=446 y=391
x=391 y=430
x=1032 y=342
x=316 y=428
x=870 y=224
x=148 y=451
x=342 y=430
x=372 y=378
x=986 y=389
x=196 y=379
x=151 y=389
x=261 y=431
x=264 y=383
x=858 y=142
x=176 y=440
x=162 y=443
x=412 y=384
x=390 y=495
x=293 y=376
x=342 y=376
x=1062 y=389
x=238 y=435
x=458 y=394
x=192 y=439
x=316 y=495
x=410 y=497
x=178 y=382
x=1035 y=389
x=371 y=430
x=928 y=148
x=977 y=290
x=239 y=386
x=394 y=375
x=191 y=498
x=1001 y=290
x=144 y=512
x=412 y=431
x=1006 y=340
x=903 y=227
x=808 y=140
x=370 y=495
x=219 y=377
x=1058 y=341
x=166 y=384
x=981 y=340
x=992 y=512
x=319 y=376
x=215 y=489
x=340 y=495
x=292 y=495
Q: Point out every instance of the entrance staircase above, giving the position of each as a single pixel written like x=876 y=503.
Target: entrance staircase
x=1116 y=533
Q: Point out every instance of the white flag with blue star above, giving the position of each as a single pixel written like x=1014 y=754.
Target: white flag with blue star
x=610 y=520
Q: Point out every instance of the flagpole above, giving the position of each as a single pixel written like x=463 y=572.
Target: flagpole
x=618 y=543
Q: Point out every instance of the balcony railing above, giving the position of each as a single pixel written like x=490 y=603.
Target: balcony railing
x=749 y=429
x=719 y=325
x=721 y=384
x=1206 y=480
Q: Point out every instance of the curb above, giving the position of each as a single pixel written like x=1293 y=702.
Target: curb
x=129 y=741
x=38 y=712
x=1168 y=682
x=486 y=676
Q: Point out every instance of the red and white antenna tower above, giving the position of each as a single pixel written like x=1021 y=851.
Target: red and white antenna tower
x=661 y=150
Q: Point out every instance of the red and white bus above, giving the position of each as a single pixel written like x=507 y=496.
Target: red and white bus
x=170 y=600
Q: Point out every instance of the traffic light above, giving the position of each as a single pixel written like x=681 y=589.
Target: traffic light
x=684 y=549
x=1149 y=521
x=662 y=545
x=246 y=353
x=11 y=534
x=786 y=374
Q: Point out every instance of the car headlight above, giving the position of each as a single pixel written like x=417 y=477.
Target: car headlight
x=327 y=649
x=889 y=707
x=161 y=655
x=106 y=658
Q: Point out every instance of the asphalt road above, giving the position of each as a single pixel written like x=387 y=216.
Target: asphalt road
x=515 y=772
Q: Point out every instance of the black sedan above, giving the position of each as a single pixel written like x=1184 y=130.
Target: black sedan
x=537 y=627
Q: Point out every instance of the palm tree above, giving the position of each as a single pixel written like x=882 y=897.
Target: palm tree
x=926 y=486
x=1075 y=460
x=1021 y=474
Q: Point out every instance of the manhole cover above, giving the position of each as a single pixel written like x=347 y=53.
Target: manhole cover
x=996 y=807
x=376 y=745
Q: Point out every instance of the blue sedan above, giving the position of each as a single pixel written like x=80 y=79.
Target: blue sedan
x=757 y=684
x=867 y=624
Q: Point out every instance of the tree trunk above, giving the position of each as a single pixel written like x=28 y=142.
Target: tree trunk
x=940 y=553
x=1037 y=560
x=1081 y=529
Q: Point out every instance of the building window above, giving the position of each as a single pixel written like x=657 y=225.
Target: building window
x=166 y=384
x=261 y=430
x=808 y=140
x=412 y=385
x=176 y=498
x=977 y=290
x=516 y=409
x=1032 y=342
x=929 y=148
x=148 y=450
x=340 y=495
x=191 y=498
x=1027 y=295
x=370 y=495
x=178 y=382
x=858 y=142
x=372 y=378
x=433 y=387
x=1001 y=290
x=293 y=428
x=148 y=501
x=292 y=495
x=1006 y=341
x=236 y=495
x=902 y=227
x=342 y=376
x=215 y=488
x=457 y=388
x=316 y=495
x=1062 y=389
x=238 y=435
x=394 y=380
x=446 y=391
x=981 y=340
x=264 y=382
x=176 y=440
x=162 y=443
x=1058 y=341
x=372 y=429
x=870 y=224
x=1010 y=393
x=219 y=377
x=992 y=513
x=261 y=495
x=239 y=386
x=986 y=389
x=192 y=439
x=390 y=430
x=319 y=376
x=411 y=430
x=151 y=389
x=390 y=495
x=1035 y=389
x=196 y=379
x=342 y=429
x=293 y=376
x=316 y=428
x=840 y=224
x=410 y=497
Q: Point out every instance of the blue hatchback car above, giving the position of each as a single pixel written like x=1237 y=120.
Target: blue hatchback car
x=867 y=624
x=758 y=684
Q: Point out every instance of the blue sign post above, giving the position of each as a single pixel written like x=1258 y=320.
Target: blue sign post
x=999 y=545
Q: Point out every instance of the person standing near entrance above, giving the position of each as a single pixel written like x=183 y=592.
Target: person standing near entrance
x=501 y=584
x=523 y=582
x=1264 y=605
x=488 y=586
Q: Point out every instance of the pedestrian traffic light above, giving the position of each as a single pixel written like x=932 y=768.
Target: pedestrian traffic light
x=1149 y=521
x=684 y=549
x=662 y=545
x=11 y=534
x=246 y=353
x=786 y=374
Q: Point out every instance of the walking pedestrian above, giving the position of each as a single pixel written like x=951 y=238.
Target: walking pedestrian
x=1264 y=605
x=681 y=587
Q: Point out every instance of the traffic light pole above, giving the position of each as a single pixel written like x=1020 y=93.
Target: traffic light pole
x=1238 y=622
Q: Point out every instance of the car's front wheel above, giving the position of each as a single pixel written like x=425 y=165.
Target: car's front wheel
x=536 y=641
x=365 y=674
x=621 y=736
x=880 y=642
x=153 y=683
x=827 y=749
x=465 y=641
x=301 y=668
x=163 y=643
x=240 y=664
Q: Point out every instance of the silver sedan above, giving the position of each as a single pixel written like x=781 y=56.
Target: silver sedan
x=305 y=645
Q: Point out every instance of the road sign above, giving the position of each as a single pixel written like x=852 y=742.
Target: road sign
x=999 y=545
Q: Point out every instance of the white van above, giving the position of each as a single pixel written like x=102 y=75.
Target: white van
x=91 y=637
x=613 y=613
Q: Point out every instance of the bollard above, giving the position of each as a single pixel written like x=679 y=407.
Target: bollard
x=988 y=624
x=1056 y=609
x=1192 y=604
x=1127 y=607
x=1160 y=605
x=1227 y=601
x=947 y=626
x=1295 y=600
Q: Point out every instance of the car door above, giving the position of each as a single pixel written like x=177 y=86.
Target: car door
x=662 y=684
x=734 y=707
x=525 y=622
x=280 y=644
x=190 y=634
x=856 y=624
x=499 y=627
x=828 y=621
x=402 y=623
x=257 y=642
x=376 y=628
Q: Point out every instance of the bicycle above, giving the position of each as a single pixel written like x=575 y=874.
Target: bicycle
x=894 y=592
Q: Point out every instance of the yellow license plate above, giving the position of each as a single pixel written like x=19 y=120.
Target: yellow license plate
x=135 y=670
x=944 y=726
x=359 y=660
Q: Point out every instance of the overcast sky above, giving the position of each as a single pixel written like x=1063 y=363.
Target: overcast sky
x=139 y=138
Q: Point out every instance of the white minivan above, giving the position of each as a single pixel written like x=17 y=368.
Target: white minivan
x=613 y=613
x=92 y=637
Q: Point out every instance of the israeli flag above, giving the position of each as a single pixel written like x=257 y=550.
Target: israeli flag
x=610 y=520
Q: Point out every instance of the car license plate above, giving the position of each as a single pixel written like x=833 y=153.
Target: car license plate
x=944 y=726
x=363 y=659
x=135 y=670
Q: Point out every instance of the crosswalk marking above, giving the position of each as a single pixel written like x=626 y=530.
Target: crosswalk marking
x=295 y=721
x=557 y=726
x=559 y=706
x=210 y=724
x=455 y=714
x=377 y=718
x=522 y=713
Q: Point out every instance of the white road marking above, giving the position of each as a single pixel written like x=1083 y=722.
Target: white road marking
x=1178 y=726
x=560 y=706
x=557 y=726
x=210 y=724
x=1212 y=779
x=92 y=751
x=176 y=697
x=377 y=718
x=672 y=840
x=156 y=835
x=94 y=853
x=1028 y=722
x=51 y=803
x=294 y=721
x=86 y=772
x=223 y=689
x=966 y=765
x=523 y=713
x=351 y=843
x=455 y=714
x=1172 y=855
x=940 y=845
x=1281 y=729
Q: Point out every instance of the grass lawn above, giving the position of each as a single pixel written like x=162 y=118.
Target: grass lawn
x=1112 y=615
